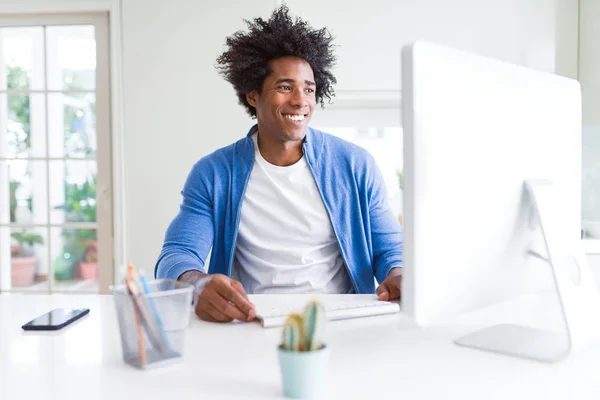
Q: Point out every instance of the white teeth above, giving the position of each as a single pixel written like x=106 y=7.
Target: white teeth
x=295 y=117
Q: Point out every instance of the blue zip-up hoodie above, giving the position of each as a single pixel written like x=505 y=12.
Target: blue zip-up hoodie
x=350 y=184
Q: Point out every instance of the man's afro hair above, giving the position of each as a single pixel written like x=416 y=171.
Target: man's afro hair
x=246 y=62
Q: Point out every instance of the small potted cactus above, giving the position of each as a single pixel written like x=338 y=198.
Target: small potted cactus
x=303 y=356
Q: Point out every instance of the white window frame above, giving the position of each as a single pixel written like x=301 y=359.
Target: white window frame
x=111 y=9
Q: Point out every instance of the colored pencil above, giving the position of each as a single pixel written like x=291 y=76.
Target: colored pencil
x=140 y=333
x=146 y=287
x=148 y=322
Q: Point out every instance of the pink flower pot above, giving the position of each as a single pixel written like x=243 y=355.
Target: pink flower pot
x=88 y=270
x=22 y=271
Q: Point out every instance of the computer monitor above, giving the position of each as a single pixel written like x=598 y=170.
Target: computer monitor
x=492 y=195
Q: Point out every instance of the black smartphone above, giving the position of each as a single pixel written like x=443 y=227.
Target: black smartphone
x=55 y=319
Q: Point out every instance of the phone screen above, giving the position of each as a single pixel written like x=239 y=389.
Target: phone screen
x=56 y=319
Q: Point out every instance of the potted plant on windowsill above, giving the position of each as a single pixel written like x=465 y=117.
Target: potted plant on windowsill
x=80 y=250
x=303 y=357
x=88 y=268
x=23 y=260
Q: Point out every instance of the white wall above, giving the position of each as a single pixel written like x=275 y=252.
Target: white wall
x=178 y=109
x=370 y=34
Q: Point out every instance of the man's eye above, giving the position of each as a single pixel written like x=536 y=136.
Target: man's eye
x=310 y=90
x=285 y=87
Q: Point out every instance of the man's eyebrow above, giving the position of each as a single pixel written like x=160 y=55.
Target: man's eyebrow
x=289 y=80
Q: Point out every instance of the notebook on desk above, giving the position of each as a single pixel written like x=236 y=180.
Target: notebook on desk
x=337 y=306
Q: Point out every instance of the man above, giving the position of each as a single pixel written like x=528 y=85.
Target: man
x=287 y=209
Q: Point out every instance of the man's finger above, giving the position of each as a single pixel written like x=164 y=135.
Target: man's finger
x=381 y=288
x=384 y=296
x=395 y=287
x=231 y=294
x=240 y=289
x=383 y=292
x=226 y=307
x=394 y=292
x=217 y=314
x=205 y=316
x=206 y=311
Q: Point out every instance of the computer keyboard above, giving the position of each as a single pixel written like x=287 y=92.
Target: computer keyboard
x=336 y=307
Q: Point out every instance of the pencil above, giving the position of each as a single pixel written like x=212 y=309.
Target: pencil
x=140 y=332
x=146 y=287
x=149 y=323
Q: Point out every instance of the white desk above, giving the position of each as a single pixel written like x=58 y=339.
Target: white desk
x=371 y=358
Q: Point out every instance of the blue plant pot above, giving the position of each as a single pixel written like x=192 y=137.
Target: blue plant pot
x=303 y=373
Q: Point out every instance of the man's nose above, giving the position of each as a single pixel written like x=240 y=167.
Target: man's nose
x=299 y=99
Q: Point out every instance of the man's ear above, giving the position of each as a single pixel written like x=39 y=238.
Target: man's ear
x=252 y=98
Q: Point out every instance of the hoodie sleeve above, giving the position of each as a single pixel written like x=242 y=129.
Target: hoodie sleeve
x=190 y=235
x=386 y=232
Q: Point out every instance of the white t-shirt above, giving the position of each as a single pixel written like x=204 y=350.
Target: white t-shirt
x=285 y=242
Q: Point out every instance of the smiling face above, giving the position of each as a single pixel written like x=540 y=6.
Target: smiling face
x=286 y=101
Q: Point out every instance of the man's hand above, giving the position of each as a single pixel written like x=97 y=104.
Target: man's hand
x=390 y=288
x=221 y=298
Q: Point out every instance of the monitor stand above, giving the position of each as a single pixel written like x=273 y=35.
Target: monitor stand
x=577 y=291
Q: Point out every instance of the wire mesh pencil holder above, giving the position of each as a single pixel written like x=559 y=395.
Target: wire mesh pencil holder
x=152 y=324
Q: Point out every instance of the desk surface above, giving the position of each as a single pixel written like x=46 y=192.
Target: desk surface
x=370 y=357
